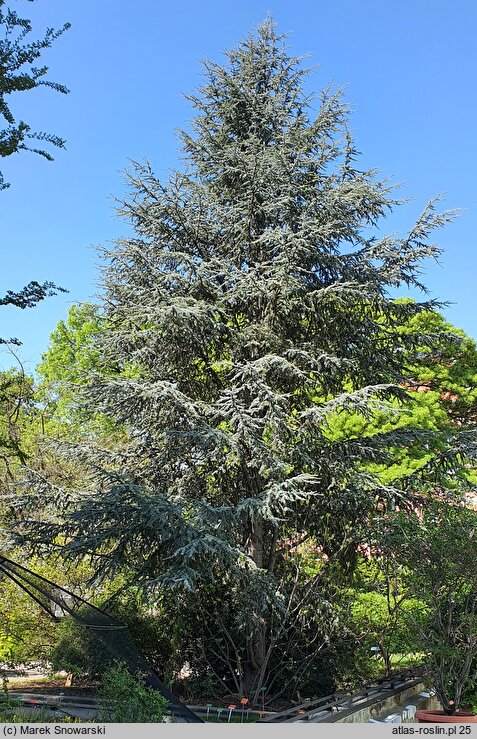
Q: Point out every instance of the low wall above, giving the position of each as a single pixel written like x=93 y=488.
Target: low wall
x=393 y=704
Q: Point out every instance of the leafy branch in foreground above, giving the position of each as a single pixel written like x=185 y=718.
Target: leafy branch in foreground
x=17 y=74
x=28 y=297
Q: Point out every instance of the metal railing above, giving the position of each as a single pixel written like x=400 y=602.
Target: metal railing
x=337 y=705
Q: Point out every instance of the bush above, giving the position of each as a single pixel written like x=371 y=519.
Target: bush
x=80 y=651
x=26 y=632
x=125 y=698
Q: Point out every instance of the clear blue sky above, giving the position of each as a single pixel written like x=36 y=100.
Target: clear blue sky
x=410 y=67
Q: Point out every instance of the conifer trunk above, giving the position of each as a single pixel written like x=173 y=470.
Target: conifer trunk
x=256 y=647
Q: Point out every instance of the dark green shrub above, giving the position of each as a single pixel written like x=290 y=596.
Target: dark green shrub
x=81 y=652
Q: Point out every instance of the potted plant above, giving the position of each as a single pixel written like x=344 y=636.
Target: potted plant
x=435 y=551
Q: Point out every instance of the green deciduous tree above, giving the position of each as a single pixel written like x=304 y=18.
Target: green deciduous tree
x=16 y=401
x=26 y=632
x=251 y=306
x=441 y=379
x=437 y=552
x=72 y=355
x=73 y=351
x=380 y=607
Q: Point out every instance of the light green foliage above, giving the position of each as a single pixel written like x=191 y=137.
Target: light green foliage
x=441 y=378
x=384 y=625
x=16 y=408
x=125 y=699
x=449 y=366
x=73 y=355
x=26 y=632
x=375 y=622
x=73 y=349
